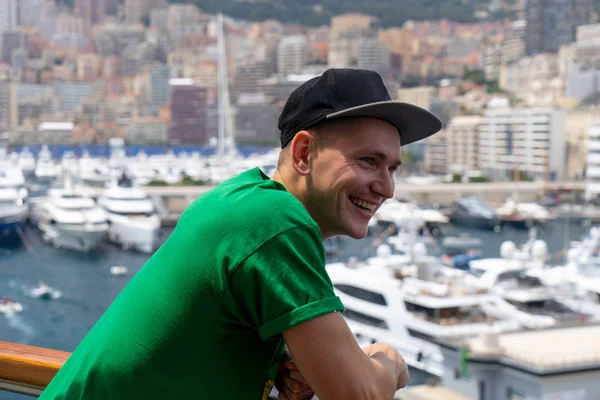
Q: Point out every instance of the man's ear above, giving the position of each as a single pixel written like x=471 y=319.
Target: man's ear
x=302 y=145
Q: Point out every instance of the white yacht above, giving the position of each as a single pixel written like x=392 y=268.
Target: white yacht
x=70 y=219
x=579 y=278
x=26 y=161
x=392 y=210
x=134 y=222
x=142 y=169
x=14 y=206
x=515 y=276
x=46 y=169
x=195 y=166
x=93 y=171
x=410 y=305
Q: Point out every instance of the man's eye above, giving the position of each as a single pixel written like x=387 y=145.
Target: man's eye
x=368 y=160
x=392 y=170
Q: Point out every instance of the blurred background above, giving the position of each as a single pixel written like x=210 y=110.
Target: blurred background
x=483 y=271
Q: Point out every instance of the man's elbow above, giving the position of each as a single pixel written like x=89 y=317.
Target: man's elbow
x=383 y=391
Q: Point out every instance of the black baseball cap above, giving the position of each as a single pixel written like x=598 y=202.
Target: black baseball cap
x=352 y=93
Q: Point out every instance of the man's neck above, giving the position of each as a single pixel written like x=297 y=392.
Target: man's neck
x=291 y=186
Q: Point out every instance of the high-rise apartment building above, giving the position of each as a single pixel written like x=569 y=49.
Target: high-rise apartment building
x=292 y=54
x=553 y=23
x=11 y=40
x=188 y=114
x=531 y=140
x=462 y=138
x=159 y=87
x=139 y=10
x=592 y=184
x=8 y=15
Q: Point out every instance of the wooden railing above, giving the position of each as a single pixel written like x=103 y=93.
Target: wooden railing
x=28 y=369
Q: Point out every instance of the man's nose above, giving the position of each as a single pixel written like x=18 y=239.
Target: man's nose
x=385 y=185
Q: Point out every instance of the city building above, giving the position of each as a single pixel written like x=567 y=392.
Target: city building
x=159 y=87
x=347 y=22
x=19 y=58
x=581 y=66
x=436 y=153
x=534 y=80
x=183 y=20
x=528 y=140
x=146 y=130
x=248 y=77
x=292 y=55
x=373 y=55
x=188 y=113
x=420 y=96
x=8 y=15
x=553 y=23
x=462 y=139
x=399 y=41
x=94 y=11
x=33 y=15
x=592 y=175
x=12 y=40
x=492 y=60
x=578 y=123
x=89 y=66
x=73 y=93
x=55 y=132
x=256 y=121
x=139 y=10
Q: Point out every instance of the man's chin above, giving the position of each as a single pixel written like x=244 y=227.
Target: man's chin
x=357 y=233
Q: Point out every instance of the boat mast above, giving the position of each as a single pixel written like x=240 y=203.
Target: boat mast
x=225 y=138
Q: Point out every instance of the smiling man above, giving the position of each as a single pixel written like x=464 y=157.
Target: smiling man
x=243 y=273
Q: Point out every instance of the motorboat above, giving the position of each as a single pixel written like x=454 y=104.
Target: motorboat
x=45 y=292
x=474 y=212
x=14 y=205
x=118 y=270
x=69 y=218
x=134 y=221
x=523 y=215
x=9 y=306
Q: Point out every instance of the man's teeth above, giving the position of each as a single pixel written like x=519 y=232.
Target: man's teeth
x=363 y=204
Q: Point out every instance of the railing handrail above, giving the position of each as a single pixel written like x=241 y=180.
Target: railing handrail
x=28 y=369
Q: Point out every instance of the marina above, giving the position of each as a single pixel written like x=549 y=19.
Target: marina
x=427 y=274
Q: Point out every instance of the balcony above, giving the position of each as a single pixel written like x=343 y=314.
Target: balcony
x=593 y=160
x=28 y=369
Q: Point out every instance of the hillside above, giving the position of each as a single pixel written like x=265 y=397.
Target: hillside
x=319 y=12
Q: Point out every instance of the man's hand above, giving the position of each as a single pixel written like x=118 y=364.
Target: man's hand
x=387 y=354
x=291 y=384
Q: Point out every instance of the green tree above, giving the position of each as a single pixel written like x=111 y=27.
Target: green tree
x=492 y=87
x=476 y=76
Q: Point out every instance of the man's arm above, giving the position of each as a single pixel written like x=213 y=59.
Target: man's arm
x=329 y=358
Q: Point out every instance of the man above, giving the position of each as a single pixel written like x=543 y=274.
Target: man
x=243 y=274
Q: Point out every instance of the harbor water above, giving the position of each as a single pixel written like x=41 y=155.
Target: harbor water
x=87 y=287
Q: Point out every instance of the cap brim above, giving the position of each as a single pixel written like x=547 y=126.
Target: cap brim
x=414 y=123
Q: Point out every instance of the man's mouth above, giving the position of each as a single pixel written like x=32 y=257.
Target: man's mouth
x=362 y=204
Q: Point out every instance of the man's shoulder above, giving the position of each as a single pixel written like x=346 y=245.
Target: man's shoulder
x=250 y=199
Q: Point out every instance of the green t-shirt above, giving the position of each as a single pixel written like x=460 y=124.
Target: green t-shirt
x=203 y=318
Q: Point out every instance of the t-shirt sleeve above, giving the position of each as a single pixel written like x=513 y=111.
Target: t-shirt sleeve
x=284 y=283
